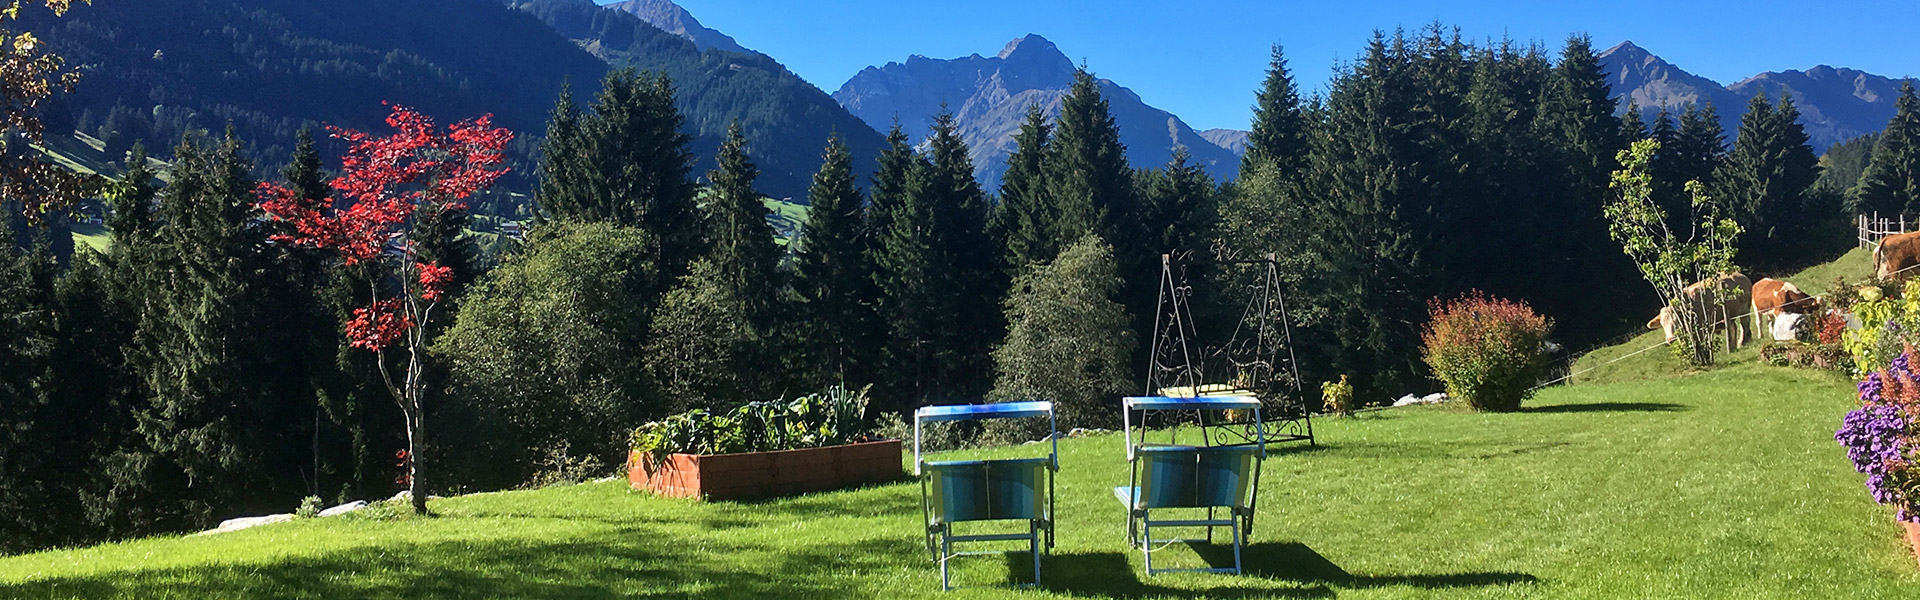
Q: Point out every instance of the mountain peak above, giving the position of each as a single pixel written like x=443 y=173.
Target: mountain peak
x=1627 y=48
x=671 y=18
x=1029 y=44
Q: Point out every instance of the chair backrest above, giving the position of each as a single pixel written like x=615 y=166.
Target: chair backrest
x=986 y=490
x=1189 y=476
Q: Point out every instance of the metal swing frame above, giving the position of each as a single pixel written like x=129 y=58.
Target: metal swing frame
x=1214 y=476
x=1176 y=369
x=959 y=491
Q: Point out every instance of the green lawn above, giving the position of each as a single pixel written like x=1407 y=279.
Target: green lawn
x=1724 y=484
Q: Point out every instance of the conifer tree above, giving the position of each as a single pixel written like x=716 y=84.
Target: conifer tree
x=1024 y=217
x=889 y=189
x=834 y=275
x=131 y=199
x=195 y=349
x=627 y=163
x=1699 y=148
x=1766 y=180
x=1632 y=123
x=1177 y=205
x=963 y=257
x=741 y=240
x=1582 y=139
x=907 y=273
x=1278 y=136
x=1891 y=183
x=1088 y=178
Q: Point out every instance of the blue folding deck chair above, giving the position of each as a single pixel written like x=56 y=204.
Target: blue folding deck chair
x=961 y=491
x=1220 y=475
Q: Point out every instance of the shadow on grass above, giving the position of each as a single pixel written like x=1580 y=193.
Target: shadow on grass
x=627 y=562
x=1309 y=575
x=1608 y=407
x=1110 y=575
x=1293 y=561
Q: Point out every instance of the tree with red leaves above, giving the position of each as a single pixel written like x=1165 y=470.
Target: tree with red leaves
x=384 y=182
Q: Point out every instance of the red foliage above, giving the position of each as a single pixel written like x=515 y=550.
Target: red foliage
x=1832 y=325
x=385 y=179
x=434 y=280
x=376 y=327
x=1486 y=350
x=383 y=182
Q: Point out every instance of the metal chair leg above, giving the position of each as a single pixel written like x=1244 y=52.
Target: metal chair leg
x=946 y=553
x=1034 y=544
x=1236 y=549
x=1146 y=540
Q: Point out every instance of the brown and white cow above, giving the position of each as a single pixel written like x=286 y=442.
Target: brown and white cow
x=1897 y=256
x=1722 y=300
x=1773 y=297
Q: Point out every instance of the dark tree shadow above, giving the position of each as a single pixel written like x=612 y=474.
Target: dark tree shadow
x=1109 y=575
x=1293 y=561
x=1608 y=407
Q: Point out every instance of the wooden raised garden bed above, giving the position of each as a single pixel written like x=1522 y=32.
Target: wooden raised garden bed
x=765 y=474
x=1913 y=537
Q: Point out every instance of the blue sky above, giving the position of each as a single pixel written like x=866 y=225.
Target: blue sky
x=1203 y=59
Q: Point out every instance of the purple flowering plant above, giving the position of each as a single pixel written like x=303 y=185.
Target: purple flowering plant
x=1882 y=436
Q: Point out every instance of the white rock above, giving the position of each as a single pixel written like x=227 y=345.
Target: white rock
x=344 y=508
x=247 y=522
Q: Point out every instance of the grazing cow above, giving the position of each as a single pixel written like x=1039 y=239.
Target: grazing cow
x=1773 y=298
x=1722 y=301
x=1897 y=255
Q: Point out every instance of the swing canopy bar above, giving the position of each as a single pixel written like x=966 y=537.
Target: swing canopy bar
x=1192 y=403
x=972 y=412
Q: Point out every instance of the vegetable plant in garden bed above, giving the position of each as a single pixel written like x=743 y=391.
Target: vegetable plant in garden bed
x=808 y=444
x=1882 y=438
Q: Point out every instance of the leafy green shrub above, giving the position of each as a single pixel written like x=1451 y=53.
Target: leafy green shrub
x=1887 y=325
x=1338 y=396
x=309 y=508
x=1488 y=351
x=834 y=417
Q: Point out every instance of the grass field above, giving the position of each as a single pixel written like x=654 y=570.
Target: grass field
x=1724 y=484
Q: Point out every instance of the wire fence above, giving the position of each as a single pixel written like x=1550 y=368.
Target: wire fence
x=1874 y=228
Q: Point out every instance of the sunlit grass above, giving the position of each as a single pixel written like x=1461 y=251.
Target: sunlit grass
x=1724 y=484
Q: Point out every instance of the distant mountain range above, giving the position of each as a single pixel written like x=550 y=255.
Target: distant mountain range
x=990 y=96
x=158 y=68
x=669 y=17
x=1835 y=104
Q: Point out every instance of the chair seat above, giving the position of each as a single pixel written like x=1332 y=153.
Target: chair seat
x=1126 y=493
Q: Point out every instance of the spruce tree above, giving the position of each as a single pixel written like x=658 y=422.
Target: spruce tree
x=1632 y=123
x=1700 y=147
x=1891 y=182
x=1278 y=136
x=626 y=163
x=1582 y=138
x=834 y=275
x=130 y=199
x=741 y=240
x=907 y=273
x=1178 y=205
x=1766 y=181
x=195 y=349
x=1025 y=217
x=965 y=258
x=1088 y=178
